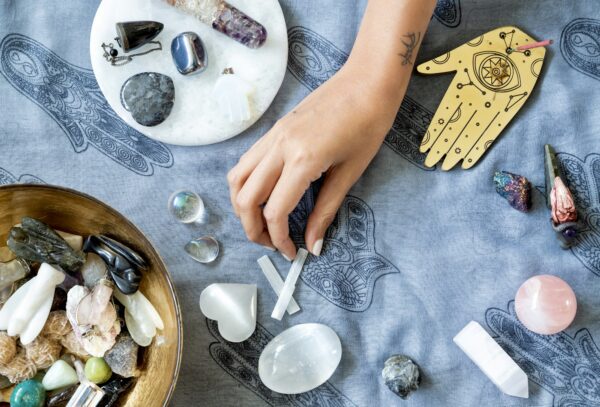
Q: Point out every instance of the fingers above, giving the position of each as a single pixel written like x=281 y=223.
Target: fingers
x=447 y=127
x=285 y=196
x=477 y=128
x=488 y=135
x=254 y=194
x=338 y=182
x=238 y=175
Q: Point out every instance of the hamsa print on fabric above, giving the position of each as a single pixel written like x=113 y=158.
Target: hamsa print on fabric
x=448 y=12
x=240 y=360
x=583 y=179
x=580 y=46
x=7 y=178
x=348 y=267
x=566 y=366
x=70 y=95
x=313 y=60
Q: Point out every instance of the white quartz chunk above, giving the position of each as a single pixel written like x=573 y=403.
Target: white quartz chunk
x=483 y=350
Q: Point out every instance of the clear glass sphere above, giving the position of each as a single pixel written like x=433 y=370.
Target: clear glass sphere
x=186 y=206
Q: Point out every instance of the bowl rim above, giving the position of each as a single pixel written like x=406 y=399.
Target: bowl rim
x=130 y=224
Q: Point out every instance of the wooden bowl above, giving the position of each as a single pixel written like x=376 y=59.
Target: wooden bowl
x=77 y=213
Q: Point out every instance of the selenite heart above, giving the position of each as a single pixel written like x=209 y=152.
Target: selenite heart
x=233 y=306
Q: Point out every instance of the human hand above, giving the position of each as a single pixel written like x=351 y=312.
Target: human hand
x=336 y=131
x=492 y=82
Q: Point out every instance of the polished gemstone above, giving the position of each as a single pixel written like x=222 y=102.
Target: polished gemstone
x=545 y=304
x=134 y=34
x=186 y=207
x=149 y=97
x=97 y=370
x=401 y=375
x=123 y=263
x=300 y=358
x=141 y=317
x=29 y=393
x=204 y=249
x=188 y=53
x=516 y=189
x=60 y=375
x=233 y=306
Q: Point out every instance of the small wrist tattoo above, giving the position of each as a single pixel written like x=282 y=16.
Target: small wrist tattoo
x=411 y=44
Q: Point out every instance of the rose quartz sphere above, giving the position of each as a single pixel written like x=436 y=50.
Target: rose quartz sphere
x=545 y=304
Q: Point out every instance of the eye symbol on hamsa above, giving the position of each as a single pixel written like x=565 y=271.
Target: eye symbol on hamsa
x=492 y=82
x=496 y=72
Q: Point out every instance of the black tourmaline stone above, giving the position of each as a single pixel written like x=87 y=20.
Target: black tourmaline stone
x=149 y=97
x=113 y=389
x=134 y=34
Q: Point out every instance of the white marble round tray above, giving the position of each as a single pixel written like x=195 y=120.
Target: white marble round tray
x=195 y=118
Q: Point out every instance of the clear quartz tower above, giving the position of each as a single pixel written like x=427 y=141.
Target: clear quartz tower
x=226 y=19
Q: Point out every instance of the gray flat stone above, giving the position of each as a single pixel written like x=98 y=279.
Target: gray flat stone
x=149 y=97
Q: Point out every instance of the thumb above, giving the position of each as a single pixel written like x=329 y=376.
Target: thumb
x=338 y=182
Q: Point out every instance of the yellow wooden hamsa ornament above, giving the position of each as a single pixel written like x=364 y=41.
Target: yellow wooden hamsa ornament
x=492 y=82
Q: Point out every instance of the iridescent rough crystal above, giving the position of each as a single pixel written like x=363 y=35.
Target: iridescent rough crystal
x=516 y=189
x=226 y=19
x=401 y=375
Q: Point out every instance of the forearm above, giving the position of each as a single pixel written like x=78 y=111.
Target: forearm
x=386 y=47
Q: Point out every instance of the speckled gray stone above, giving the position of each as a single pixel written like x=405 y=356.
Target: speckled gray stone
x=122 y=358
x=401 y=375
x=149 y=97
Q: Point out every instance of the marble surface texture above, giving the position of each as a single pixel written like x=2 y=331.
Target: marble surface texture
x=195 y=119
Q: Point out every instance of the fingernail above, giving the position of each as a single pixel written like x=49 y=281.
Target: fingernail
x=286 y=257
x=272 y=249
x=316 y=250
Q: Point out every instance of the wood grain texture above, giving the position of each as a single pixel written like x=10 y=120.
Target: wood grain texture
x=77 y=213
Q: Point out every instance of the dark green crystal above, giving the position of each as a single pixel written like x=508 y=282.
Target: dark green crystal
x=551 y=171
x=35 y=241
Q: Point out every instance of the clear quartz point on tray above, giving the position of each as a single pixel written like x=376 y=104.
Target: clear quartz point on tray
x=226 y=19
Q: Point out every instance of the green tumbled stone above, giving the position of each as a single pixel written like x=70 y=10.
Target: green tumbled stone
x=97 y=370
x=29 y=393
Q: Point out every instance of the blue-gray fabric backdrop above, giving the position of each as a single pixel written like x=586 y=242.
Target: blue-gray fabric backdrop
x=419 y=252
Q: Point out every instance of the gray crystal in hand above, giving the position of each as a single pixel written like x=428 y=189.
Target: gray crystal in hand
x=149 y=97
x=11 y=272
x=38 y=242
x=122 y=358
x=401 y=375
